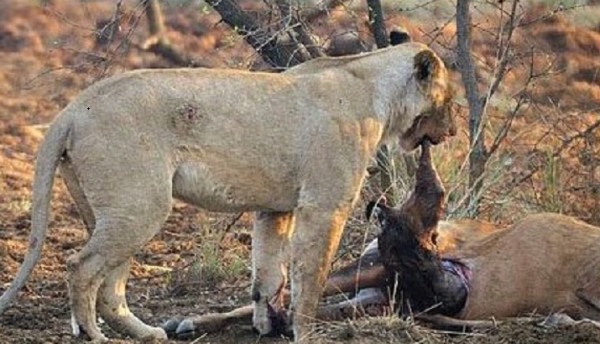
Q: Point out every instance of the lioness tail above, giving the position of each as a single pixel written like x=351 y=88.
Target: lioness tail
x=48 y=157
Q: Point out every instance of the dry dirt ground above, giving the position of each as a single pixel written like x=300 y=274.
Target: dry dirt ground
x=47 y=55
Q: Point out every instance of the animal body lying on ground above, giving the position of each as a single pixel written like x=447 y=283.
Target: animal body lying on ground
x=544 y=263
x=457 y=273
x=292 y=147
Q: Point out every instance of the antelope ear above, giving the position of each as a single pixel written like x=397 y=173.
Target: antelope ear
x=427 y=66
x=378 y=209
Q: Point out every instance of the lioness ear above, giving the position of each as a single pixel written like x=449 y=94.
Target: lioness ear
x=427 y=66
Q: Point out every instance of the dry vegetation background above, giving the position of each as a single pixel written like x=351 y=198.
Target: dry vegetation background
x=549 y=160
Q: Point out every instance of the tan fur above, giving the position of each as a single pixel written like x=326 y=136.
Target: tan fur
x=453 y=235
x=545 y=263
x=293 y=147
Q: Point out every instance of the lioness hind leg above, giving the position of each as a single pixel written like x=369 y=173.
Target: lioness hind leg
x=111 y=303
x=69 y=177
x=270 y=257
x=109 y=248
x=315 y=240
x=131 y=220
x=112 y=306
x=83 y=287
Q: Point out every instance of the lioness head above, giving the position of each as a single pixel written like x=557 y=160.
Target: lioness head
x=435 y=122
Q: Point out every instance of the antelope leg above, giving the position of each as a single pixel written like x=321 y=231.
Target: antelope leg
x=361 y=274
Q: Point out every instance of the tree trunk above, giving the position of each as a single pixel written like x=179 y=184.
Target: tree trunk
x=477 y=155
x=377 y=23
x=385 y=161
x=156 y=21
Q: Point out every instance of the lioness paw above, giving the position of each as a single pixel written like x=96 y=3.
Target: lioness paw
x=262 y=325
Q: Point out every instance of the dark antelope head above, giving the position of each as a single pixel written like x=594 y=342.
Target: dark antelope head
x=415 y=222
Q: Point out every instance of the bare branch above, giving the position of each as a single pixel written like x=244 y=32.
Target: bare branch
x=158 y=43
x=107 y=30
x=504 y=129
x=277 y=55
x=377 y=23
x=291 y=20
x=384 y=160
x=503 y=132
x=565 y=144
x=314 y=12
x=477 y=155
x=503 y=51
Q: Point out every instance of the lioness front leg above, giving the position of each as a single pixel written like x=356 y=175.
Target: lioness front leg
x=316 y=237
x=270 y=257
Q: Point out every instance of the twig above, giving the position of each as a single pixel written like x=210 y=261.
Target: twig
x=158 y=43
x=503 y=50
x=233 y=222
x=565 y=144
x=278 y=55
x=292 y=20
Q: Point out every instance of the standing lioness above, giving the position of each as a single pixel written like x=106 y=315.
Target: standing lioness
x=293 y=147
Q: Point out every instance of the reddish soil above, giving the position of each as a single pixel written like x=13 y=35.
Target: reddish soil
x=49 y=53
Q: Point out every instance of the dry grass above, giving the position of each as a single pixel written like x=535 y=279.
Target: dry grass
x=391 y=329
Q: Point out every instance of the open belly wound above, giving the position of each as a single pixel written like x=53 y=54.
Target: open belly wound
x=463 y=275
x=459 y=269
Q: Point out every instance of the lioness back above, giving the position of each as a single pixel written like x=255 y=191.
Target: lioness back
x=247 y=133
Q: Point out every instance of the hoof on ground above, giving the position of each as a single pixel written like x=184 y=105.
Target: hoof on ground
x=186 y=329
x=180 y=328
x=170 y=327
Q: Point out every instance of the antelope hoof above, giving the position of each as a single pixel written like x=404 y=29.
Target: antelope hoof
x=170 y=326
x=186 y=329
x=179 y=328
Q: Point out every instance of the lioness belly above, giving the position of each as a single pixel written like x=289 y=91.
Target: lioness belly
x=232 y=189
